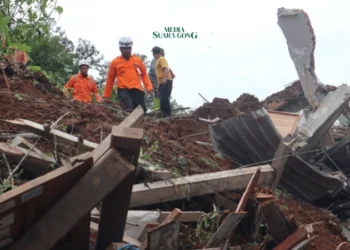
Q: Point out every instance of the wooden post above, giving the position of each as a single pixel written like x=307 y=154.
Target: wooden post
x=276 y=222
x=80 y=234
x=229 y=225
x=102 y=178
x=115 y=206
x=281 y=157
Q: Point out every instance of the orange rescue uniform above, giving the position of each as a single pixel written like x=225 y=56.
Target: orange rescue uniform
x=82 y=87
x=129 y=74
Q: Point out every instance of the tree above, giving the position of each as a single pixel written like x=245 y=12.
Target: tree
x=54 y=55
x=85 y=50
x=29 y=20
x=144 y=59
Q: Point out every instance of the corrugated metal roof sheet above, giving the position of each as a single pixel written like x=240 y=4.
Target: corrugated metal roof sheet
x=253 y=138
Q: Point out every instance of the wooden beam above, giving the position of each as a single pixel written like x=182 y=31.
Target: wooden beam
x=62 y=137
x=248 y=191
x=297 y=237
x=102 y=178
x=225 y=203
x=80 y=234
x=183 y=217
x=276 y=221
x=164 y=237
x=114 y=214
x=19 y=141
x=29 y=201
x=186 y=216
x=281 y=157
x=134 y=120
x=34 y=164
x=227 y=226
x=197 y=185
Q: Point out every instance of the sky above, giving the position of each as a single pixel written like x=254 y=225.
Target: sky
x=239 y=49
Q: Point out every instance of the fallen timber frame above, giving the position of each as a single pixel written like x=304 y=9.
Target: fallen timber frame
x=111 y=178
x=102 y=178
x=26 y=203
x=196 y=185
x=45 y=131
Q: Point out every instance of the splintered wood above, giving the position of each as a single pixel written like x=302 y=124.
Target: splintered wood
x=22 y=206
x=127 y=138
x=229 y=225
x=102 y=178
x=55 y=134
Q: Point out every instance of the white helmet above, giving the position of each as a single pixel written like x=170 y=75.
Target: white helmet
x=83 y=62
x=125 y=42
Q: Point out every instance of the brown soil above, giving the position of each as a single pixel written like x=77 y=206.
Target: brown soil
x=224 y=109
x=329 y=233
x=167 y=144
x=28 y=102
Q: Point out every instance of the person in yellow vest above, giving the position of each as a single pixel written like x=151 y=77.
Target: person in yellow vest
x=165 y=81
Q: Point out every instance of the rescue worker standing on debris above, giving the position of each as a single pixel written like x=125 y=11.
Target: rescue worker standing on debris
x=82 y=85
x=153 y=76
x=164 y=80
x=129 y=70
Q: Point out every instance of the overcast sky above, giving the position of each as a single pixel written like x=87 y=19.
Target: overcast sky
x=240 y=48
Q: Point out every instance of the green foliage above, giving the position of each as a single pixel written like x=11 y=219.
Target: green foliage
x=29 y=19
x=55 y=55
x=144 y=59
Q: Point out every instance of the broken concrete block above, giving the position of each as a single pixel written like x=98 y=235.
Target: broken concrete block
x=319 y=123
x=297 y=30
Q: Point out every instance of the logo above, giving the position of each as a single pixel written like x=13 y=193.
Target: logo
x=175 y=32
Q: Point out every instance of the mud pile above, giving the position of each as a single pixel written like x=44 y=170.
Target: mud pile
x=172 y=145
x=26 y=101
x=224 y=109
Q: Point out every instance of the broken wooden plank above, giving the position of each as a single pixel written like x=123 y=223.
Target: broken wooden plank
x=114 y=214
x=196 y=185
x=281 y=157
x=228 y=225
x=134 y=120
x=183 y=217
x=297 y=237
x=8 y=136
x=34 y=164
x=276 y=221
x=186 y=216
x=80 y=234
x=248 y=191
x=19 y=141
x=164 y=237
x=225 y=203
x=29 y=201
x=174 y=215
x=102 y=178
x=53 y=133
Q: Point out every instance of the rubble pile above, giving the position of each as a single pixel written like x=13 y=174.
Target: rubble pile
x=241 y=175
x=182 y=150
x=223 y=109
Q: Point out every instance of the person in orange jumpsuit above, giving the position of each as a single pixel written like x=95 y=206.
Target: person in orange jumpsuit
x=82 y=85
x=129 y=71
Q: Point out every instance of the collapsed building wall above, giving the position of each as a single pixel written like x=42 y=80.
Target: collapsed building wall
x=301 y=40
